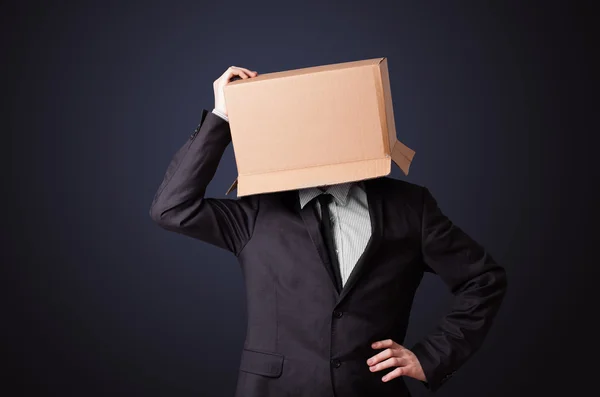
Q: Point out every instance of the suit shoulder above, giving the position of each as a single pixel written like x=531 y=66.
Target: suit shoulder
x=400 y=192
x=402 y=187
x=403 y=198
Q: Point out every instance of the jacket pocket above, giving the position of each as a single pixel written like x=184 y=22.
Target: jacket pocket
x=261 y=363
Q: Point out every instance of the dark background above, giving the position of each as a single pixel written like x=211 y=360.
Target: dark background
x=495 y=99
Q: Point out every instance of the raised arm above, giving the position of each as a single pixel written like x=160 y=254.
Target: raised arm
x=180 y=204
x=476 y=280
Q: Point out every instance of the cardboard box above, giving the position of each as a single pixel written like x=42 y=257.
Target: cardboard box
x=313 y=126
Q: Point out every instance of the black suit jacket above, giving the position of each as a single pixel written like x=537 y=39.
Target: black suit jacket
x=303 y=338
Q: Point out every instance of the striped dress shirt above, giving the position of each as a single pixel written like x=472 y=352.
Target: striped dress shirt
x=350 y=217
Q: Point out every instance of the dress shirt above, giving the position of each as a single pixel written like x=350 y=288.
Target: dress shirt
x=349 y=215
x=221 y=114
x=349 y=211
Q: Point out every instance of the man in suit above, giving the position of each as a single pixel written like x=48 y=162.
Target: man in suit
x=331 y=274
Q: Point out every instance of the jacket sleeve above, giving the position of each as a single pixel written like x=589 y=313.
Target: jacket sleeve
x=179 y=204
x=474 y=278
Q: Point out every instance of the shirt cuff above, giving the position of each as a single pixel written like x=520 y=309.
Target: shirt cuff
x=221 y=115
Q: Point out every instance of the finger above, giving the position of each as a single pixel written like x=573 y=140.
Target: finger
x=239 y=72
x=248 y=71
x=387 y=353
x=230 y=72
x=390 y=344
x=389 y=363
x=382 y=344
x=394 y=374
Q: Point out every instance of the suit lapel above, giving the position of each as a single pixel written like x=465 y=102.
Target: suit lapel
x=374 y=200
x=311 y=221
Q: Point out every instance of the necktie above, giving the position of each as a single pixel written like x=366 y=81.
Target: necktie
x=327 y=230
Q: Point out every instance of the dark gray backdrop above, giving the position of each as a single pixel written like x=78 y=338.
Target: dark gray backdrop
x=99 y=301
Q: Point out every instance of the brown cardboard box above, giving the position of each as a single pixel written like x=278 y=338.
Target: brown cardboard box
x=313 y=126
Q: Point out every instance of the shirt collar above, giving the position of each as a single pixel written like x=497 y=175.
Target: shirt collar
x=339 y=192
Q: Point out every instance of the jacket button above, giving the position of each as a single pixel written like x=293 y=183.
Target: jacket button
x=338 y=313
x=336 y=363
x=195 y=132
